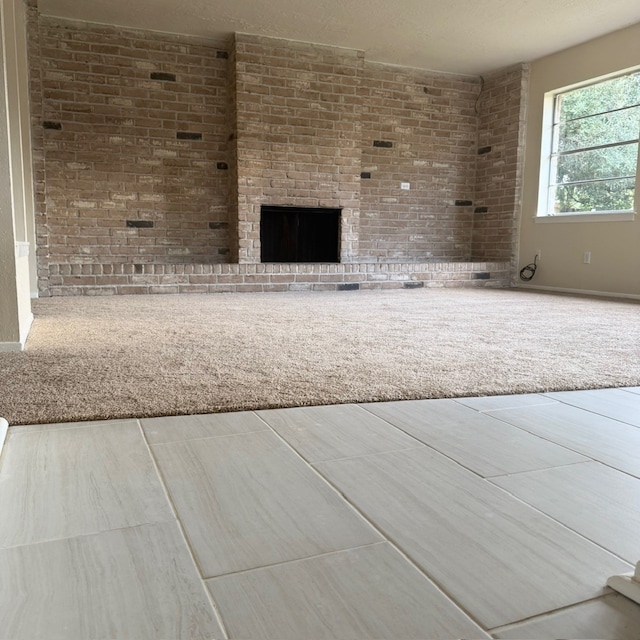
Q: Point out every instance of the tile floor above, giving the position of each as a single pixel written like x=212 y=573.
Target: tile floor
x=490 y=517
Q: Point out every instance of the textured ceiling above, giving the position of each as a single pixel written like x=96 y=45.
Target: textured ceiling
x=459 y=36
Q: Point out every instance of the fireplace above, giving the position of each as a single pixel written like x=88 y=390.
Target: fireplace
x=299 y=234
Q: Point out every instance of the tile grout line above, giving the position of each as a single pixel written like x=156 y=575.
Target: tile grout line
x=424 y=444
x=30 y=429
x=488 y=414
x=537 y=404
x=208 y=594
x=557 y=466
x=89 y=534
x=296 y=560
x=224 y=435
x=596 y=413
x=446 y=455
x=366 y=455
x=562 y=524
x=385 y=537
x=589 y=457
x=541 y=616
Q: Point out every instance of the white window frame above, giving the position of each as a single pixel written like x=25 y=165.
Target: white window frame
x=545 y=213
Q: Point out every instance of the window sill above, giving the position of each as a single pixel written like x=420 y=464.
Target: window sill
x=587 y=217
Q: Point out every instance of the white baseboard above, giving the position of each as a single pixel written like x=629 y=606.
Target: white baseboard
x=24 y=334
x=584 y=292
x=627 y=584
x=4 y=427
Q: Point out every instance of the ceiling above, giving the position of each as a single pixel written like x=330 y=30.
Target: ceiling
x=457 y=36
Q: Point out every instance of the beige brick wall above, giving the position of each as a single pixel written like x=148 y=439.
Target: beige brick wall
x=429 y=125
x=499 y=164
x=281 y=123
x=297 y=133
x=114 y=138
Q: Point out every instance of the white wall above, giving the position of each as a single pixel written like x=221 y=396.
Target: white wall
x=614 y=246
x=16 y=195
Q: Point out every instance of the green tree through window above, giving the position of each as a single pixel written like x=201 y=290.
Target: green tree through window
x=595 y=147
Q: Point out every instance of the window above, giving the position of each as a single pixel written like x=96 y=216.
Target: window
x=591 y=148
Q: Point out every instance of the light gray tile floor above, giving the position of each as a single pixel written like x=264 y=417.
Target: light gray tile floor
x=614 y=403
x=371 y=592
x=598 y=502
x=594 y=435
x=177 y=428
x=475 y=440
x=480 y=517
x=612 y=617
x=334 y=432
x=70 y=482
x=138 y=582
x=248 y=500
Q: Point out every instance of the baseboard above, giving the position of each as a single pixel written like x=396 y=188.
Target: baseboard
x=584 y=292
x=24 y=334
x=11 y=346
x=627 y=584
x=4 y=428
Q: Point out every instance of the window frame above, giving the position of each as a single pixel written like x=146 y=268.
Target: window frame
x=545 y=211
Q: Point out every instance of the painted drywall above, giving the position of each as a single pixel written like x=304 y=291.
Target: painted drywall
x=614 y=246
x=15 y=300
x=458 y=36
x=22 y=83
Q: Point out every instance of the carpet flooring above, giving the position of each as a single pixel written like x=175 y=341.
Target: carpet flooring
x=136 y=356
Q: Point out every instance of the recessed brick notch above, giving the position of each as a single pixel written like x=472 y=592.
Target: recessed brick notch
x=188 y=135
x=47 y=124
x=384 y=144
x=463 y=203
x=140 y=224
x=161 y=75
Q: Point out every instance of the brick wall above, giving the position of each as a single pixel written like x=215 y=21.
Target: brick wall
x=132 y=128
x=151 y=149
x=501 y=127
x=297 y=132
x=420 y=128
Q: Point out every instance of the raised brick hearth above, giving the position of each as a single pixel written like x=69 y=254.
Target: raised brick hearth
x=109 y=279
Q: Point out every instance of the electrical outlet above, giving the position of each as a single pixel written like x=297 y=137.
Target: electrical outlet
x=587 y=257
x=405 y=185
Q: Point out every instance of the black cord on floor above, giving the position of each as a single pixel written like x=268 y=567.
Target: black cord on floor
x=527 y=273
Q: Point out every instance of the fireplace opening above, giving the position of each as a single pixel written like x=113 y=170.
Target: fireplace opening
x=299 y=234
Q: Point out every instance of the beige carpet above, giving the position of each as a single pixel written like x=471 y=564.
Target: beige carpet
x=96 y=358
